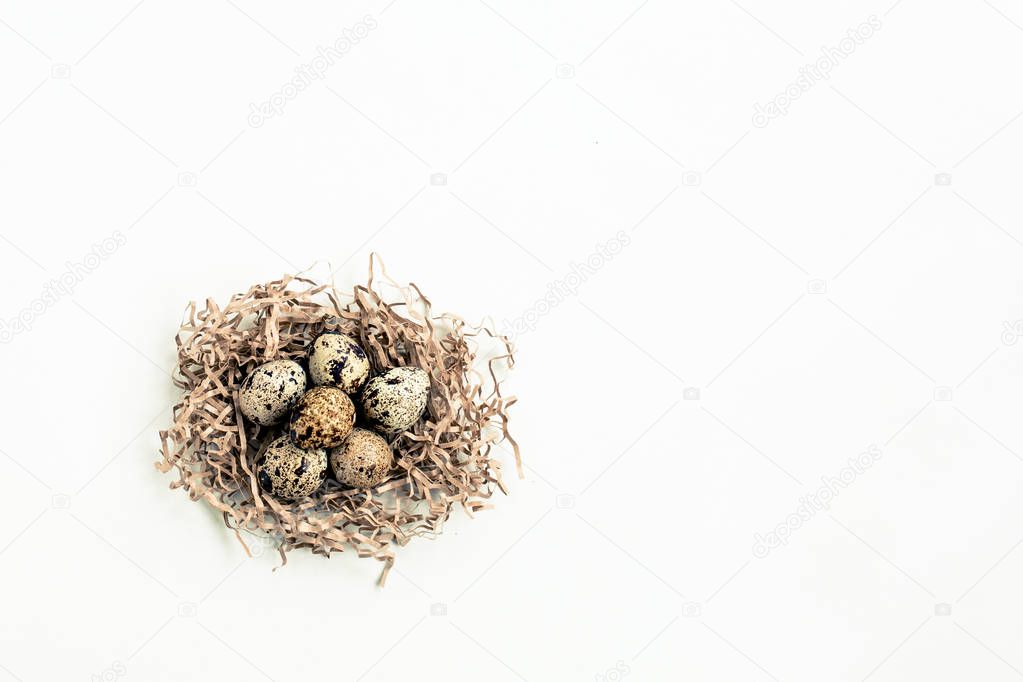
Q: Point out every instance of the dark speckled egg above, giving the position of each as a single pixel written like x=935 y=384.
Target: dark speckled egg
x=363 y=460
x=396 y=399
x=290 y=472
x=337 y=360
x=323 y=418
x=270 y=391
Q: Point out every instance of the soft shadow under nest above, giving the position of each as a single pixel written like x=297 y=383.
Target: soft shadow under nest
x=443 y=460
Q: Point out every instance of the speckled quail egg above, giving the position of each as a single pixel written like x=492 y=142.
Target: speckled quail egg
x=290 y=472
x=396 y=399
x=363 y=460
x=271 y=390
x=337 y=360
x=323 y=418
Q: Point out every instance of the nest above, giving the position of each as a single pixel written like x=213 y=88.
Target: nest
x=443 y=460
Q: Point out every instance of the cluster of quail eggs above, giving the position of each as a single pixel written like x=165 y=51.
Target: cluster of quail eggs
x=321 y=432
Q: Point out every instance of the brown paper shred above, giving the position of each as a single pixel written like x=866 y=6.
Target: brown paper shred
x=444 y=460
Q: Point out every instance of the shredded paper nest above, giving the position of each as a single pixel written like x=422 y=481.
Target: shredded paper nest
x=442 y=460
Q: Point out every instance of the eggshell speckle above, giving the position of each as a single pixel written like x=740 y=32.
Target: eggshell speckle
x=290 y=472
x=395 y=400
x=337 y=360
x=271 y=390
x=363 y=460
x=323 y=418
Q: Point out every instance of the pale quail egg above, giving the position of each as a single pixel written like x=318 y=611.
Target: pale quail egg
x=337 y=360
x=323 y=418
x=363 y=460
x=290 y=472
x=271 y=390
x=396 y=399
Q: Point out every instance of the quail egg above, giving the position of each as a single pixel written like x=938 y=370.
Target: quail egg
x=290 y=472
x=396 y=399
x=271 y=390
x=363 y=460
x=337 y=360
x=323 y=418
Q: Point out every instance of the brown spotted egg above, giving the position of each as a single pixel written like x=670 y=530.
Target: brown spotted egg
x=290 y=472
x=323 y=418
x=270 y=391
x=363 y=460
x=396 y=399
x=337 y=360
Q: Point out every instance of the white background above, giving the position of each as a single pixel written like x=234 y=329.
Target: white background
x=791 y=295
